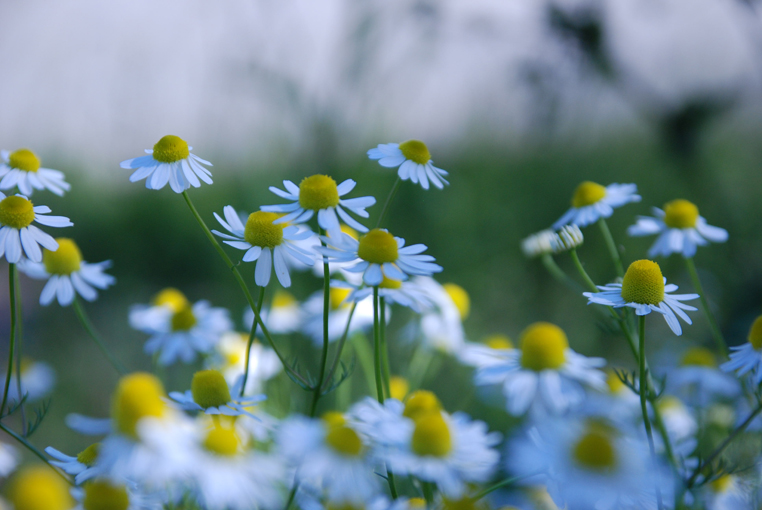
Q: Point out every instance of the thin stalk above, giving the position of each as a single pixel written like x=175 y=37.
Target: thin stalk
x=88 y=325
x=385 y=349
x=19 y=342
x=339 y=349
x=389 y=198
x=392 y=486
x=716 y=333
x=291 y=496
x=365 y=356
x=419 y=367
x=29 y=446
x=326 y=310
x=252 y=335
x=500 y=485
x=428 y=494
x=558 y=273
x=643 y=386
x=611 y=246
x=588 y=281
x=377 y=349
x=12 y=290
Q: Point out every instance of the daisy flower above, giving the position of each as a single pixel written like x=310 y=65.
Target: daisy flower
x=210 y=394
x=320 y=193
x=477 y=354
x=681 y=427
x=340 y=307
x=229 y=357
x=67 y=273
x=105 y=493
x=147 y=318
x=729 y=492
x=591 y=201
x=16 y=230
x=22 y=168
x=441 y=326
x=169 y=161
x=680 y=229
x=406 y=293
x=414 y=160
x=698 y=380
x=747 y=357
x=543 y=371
x=381 y=421
x=282 y=316
x=37 y=380
x=645 y=289
x=82 y=466
x=265 y=241
x=37 y=487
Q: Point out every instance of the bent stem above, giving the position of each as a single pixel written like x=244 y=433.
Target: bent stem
x=558 y=273
x=721 y=346
x=389 y=199
x=29 y=446
x=88 y=325
x=643 y=387
x=252 y=335
x=588 y=281
x=611 y=245
x=326 y=310
x=12 y=290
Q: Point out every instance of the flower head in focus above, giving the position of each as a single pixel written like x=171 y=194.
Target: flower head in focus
x=17 y=232
x=22 y=168
x=414 y=162
x=591 y=202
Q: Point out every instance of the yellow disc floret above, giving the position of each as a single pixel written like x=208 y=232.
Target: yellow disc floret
x=223 y=441
x=595 y=450
x=344 y=440
x=416 y=151
x=755 y=333
x=89 y=455
x=543 y=346
x=103 y=495
x=722 y=484
x=699 y=356
x=680 y=214
x=183 y=320
x=171 y=298
x=613 y=381
x=431 y=436
x=283 y=299
x=419 y=403
x=498 y=341
x=460 y=297
x=643 y=283
x=260 y=231
x=209 y=389
x=170 y=148
x=65 y=260
x=338 y=296
x=398 y=387
x=24 y=159
x=377 y=247
x=587 y=193
x=318 y=192
x=139 y=395
x=346 y=229
x=16 y=212
x=39 y=488
x=333 y=418
x=416 y=503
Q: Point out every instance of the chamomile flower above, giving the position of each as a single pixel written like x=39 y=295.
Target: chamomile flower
x=729 y=492
x=405 y=293
x=171 y=162
x=210 y=394
x=37 y=380
x=147 y=318
x=265 y=241
x=319 y=193
x=283 y=315
x=414 y=161
x=645 y=289
x=22 y=168
x=698 y=380
x=229 y=357
x=591 y=202
x=680 y=229
x=538 y=244
x=68 y=274
x=104 y=493
x=37 y=487
x=747 y=357
x=441 y=326
x=82 y=466
x=483 y=354
x=680 y=424
x=381 y=421
x=17 y=232
x=543 y=372
x=340 y=308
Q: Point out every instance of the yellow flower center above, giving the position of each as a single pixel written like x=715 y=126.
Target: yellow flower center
x=587 y=193
x=183 y=320
x=139 y=395
x=378 y=246
x=16 y=212
x=337 y=296
x=343 y=440
x=260 y=231
x=595 y=450
x=755 y=333
x=333 y=418
x=170 y=149
x=416 y=503
x=89 y=455
x=171 y=298
x=209 y=389
x=699 y=356
x=223 y=441
x=102 y=495
x=283 y=299
x=431 y=436
x=39 y=488
x=419 y=403
x=680 y=214
x=398 y=387
x=722 y=484
x=613 y=381
x=669 y=403
x=65 y=260
x=543 y=346
x=388 y=283
x=460 y=297
x=318 y=192
x=643 y=283
x=24 y=159
x=349 y=231
x=416 y=151
x=498 y=342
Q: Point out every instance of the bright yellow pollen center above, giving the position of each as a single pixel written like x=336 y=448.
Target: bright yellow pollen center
x=337 y=296
x=223 y=441
x=39 y=488
x=722 y=484
x=183 y=320
x=699 y=356
x=333 y=418
x=398 y=387
x=587 y=193
x=460 y=297
x=171 y=298
x=283 y=299
x=24 y=159
x=318 y=192
x=614 y=383
x=349 y=231
x=210 y=389
x=260 y=231
x=543 y=346
x=16 y=212
x=595 y=451
x=416 y=151
x=643 y=283
x=343 y=440
x=102 y=495
x=137 y=396
x=755 y=333
x=65 y=260
x=170 y=148
x=431 y=436
x=416 y=503
x=388 y=283
x=498 y=342
x=419 y=403
x=378 y=246
x=89 y=455
x=680 y=214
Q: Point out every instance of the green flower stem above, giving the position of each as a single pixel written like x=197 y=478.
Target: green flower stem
x=588 y=281
x=365 y=356
x=611 y=246
x=19 y=341
x=643 y=386
x=29 y=446
x=389 y=199
x=721 y=345
x=385 y=349
x=428 y=494
x=419 y=366
x=377 y=349
x=326 y=310
x=244 y=288
x=88 y=325
x=12 y=290
x=252 y=335
x=291 y=496
x=339 y=349
x=558 y=273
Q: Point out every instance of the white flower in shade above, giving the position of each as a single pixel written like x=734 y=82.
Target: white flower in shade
x=171 y=162
x=229 y=357
x=340 y=308
x=265 y=241
x=483 y=354
x=680 y=230
x=17 y=232
x=148 y=318
x=283 y=315
x=698 y=380
x=82 y=466
x=211 y=395
x=9 y=459
x=748 y=357
x=406 y=293
x=645 y=289
x=37 y=380
x=591 y=202
x=543 y=372
x=319 y=193
x=22 y=168
x=441 y=326
x=414 y=162
x=538 y=244
x=681 y=427
x=67 y=273
x=329 y=456
x=105 y=493
x=729 y=492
